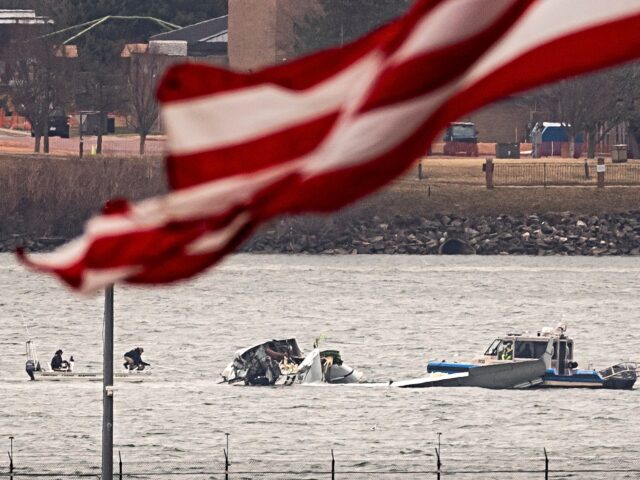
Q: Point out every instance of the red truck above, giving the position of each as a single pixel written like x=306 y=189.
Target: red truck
x=461 y=139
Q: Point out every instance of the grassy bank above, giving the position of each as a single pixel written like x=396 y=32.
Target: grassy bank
x=53 y=196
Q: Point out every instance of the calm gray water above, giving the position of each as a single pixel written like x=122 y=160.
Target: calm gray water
x=387 y=314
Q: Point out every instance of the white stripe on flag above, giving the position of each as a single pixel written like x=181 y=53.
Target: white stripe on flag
x=548 y=20
x=374 y=133
x=229 y=118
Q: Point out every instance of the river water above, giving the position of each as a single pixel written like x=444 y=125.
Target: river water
x=388 y=315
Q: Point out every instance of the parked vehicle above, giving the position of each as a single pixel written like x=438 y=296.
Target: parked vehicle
x=58 y=126
x=461 y=139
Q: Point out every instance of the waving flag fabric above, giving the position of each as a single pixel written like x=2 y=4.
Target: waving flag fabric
x=318 y=133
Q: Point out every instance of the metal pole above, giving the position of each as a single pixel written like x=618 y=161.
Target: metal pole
x=438 y=462
x=226 y=465
x=546 y=465
x=120 y=464
x=11 y=458
x=81 y=139
x=333 y=466
x=107 y=390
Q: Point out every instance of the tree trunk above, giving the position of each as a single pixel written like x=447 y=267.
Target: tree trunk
x=46 y=140
x=101 y=122
x=37 y=136
x=143 y=139
x=591 y=149
x=572 y=145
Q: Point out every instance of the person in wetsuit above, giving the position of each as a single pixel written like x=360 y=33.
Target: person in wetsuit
x=58 y=364
x=133 y=359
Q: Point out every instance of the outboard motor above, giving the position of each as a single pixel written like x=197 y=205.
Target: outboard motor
x=31 y=367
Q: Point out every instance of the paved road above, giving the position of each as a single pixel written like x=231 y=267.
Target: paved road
x=14 y=142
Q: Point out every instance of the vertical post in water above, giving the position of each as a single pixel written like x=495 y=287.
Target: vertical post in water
x=546 y=465
x=438 y=462
x=333 y=466
x=226 y=459
x=107 y=390
x=11 y=458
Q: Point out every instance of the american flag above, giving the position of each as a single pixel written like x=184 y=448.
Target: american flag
x=317 y=133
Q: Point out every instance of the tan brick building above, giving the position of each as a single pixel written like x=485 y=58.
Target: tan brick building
x=261 y=32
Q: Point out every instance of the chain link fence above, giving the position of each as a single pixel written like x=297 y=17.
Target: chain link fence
x=457 y=467
x=563 y=174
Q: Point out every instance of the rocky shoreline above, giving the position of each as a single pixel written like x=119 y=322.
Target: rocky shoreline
x=547 y=234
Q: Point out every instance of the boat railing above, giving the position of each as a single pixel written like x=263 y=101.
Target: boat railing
x=618 y=369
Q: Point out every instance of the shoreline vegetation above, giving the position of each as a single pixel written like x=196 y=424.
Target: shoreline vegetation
x=45 y=200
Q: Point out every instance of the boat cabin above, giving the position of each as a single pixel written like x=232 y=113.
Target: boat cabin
x=517 y=346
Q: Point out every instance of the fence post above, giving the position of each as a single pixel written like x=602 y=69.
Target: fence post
x=420 y=170
x=333 y=466
x=119 y=465
x=544 y=174
x=586 y=169
x=10 y=453
x=488 y=173
x=546 y=465
x=600 y=168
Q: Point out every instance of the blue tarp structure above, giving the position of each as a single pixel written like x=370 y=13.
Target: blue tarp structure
x=551 y=139
x=555 y=132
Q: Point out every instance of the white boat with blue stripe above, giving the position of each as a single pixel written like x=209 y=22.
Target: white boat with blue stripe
x=563 y=371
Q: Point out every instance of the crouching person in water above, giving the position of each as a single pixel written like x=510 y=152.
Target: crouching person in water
x=133 y=359
x=60 y=365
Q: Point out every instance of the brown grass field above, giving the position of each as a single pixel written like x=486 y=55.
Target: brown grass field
x=54 y=195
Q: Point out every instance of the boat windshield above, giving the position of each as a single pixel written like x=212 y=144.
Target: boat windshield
x=492 y=351
x=530 y=349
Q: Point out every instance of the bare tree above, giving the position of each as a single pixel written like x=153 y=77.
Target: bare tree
x=592 y=104
x=144 y=72
x=38 y=78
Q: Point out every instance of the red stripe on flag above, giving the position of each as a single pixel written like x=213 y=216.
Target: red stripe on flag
x=188 y=170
